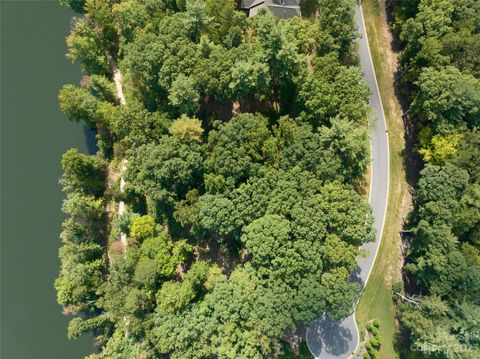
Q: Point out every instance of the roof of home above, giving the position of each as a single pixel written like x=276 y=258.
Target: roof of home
x=283 y=9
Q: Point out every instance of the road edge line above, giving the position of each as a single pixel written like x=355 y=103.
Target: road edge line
x=388 y=176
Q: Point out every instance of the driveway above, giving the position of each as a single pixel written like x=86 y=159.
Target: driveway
x=329 y=339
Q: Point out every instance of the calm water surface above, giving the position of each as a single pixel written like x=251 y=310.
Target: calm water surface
x=34 y=134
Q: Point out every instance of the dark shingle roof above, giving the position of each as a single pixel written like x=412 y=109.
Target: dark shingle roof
x=283 y=9
x=284 y=12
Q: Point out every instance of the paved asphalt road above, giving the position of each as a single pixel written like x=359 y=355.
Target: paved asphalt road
x=329 y=339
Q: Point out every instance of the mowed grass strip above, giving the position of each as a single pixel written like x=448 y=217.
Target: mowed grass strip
x=377 y=299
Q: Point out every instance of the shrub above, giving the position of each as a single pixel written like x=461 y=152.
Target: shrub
x=142 y=227
x=374 y=342
x=366 y=356
x=376 y=322
x=123 y=222
x=374 y=330
x=369 y=346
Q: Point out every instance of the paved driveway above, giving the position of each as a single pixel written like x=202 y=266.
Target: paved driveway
x=329 y=339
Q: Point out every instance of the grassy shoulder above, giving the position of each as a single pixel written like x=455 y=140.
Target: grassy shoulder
x=377 y=301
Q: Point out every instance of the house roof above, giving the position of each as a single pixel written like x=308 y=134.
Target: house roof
x=284 y=12
x=283 y=9
x=248 y=4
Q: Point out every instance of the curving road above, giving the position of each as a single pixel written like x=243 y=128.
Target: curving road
x=329 y=339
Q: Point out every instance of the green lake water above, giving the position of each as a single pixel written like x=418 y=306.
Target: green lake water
x=34 y=135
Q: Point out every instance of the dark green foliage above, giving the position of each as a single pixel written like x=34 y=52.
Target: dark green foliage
x=337 y=26
x=241 y=220
x=441 y=69
x=183 y=95
x=236 y=149
x=82 y=254
x=82 y=173
x=75 y=5
x=78 y=104
x=468 y=155
x=167 y=170
x=448 y=99
x=324 y=96
x=136 y=126
x=349 y=145
x=80 y=276
x=103 y=88
x=227 y=25
x=217 y=215
x=79 y=326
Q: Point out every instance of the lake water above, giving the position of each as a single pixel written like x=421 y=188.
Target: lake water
x=34 y=135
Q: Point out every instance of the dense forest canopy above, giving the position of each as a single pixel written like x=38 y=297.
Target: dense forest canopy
x=440 y=68
x=223 y=208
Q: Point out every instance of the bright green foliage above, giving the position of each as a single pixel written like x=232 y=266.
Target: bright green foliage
x=267 y=240
x=82 y=208
x=142 y=227
x=100 y=13
x=440 y=148
x=85 y=47
x=338 y=253
x=188 y=129
x=175 y=296
x=303 y=32
x=157 y=258
x=119 y=347
x=349 y=216
x=339 y=294
x=138 y=302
